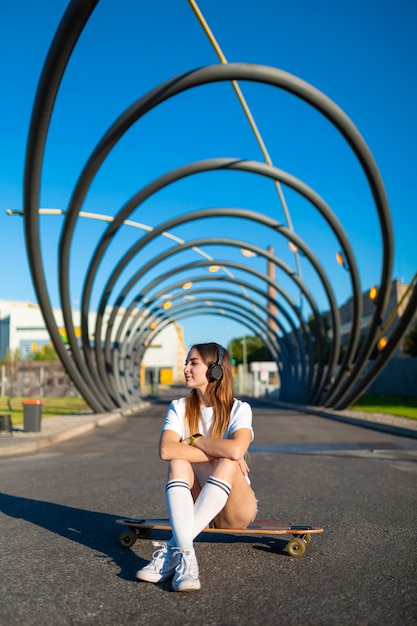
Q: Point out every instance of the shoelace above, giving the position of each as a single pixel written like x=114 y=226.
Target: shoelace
x=187 y=563
x=162 y=548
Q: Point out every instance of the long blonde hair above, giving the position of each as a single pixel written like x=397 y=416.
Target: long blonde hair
x=219 y=393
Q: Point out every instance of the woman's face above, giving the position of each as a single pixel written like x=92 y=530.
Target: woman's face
x=195 y=371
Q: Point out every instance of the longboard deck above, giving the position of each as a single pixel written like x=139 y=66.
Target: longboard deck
x=142 y=528
x=260 y=527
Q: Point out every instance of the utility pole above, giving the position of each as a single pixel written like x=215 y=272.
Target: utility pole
x=245 y=364
x=272 y=293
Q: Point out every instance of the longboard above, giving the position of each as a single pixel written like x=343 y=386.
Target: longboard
x=301 y=534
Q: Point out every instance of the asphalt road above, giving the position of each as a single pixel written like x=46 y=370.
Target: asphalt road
x=61 y=563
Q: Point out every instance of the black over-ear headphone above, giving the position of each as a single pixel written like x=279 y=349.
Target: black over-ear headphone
x=216 y=370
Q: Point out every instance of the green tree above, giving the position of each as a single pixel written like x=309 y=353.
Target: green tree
x=255 y=349
x=324 y=328
x=10 y=357
x=410 y=341
x=45 y=353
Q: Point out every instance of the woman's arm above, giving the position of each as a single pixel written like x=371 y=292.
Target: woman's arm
x=234 y=448
x=171 y=447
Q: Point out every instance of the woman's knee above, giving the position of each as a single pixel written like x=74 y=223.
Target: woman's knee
x=179 y=468
x=239 y=512
x=226 y=469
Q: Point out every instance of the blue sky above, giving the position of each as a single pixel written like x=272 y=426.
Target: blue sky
x=361 y=54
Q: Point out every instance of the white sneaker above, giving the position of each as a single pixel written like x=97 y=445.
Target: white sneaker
x=163 y=564
x=186 y=572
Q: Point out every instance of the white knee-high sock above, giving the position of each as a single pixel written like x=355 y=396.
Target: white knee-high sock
x=210 y=502
x=181 y=512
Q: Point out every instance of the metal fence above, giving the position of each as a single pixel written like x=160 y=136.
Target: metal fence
x=35 y=378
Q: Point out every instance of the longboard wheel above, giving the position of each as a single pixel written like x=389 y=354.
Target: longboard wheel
x=127 y=539
x=296 y=547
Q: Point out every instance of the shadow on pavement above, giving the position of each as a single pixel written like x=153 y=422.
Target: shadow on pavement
x=94 y=530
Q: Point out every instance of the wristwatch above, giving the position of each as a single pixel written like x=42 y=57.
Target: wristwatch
x=194 y=437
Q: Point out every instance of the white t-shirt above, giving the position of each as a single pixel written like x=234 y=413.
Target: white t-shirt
x=240 y=417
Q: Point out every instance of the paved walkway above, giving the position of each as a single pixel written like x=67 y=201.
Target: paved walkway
x=60 y=428
x=402 y=426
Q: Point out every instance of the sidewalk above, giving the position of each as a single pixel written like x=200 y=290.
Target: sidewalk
x=60 y=428
x=57 y=429
x=394 y=424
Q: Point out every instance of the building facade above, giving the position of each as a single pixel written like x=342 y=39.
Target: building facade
x=23 y=333
x=395 y=308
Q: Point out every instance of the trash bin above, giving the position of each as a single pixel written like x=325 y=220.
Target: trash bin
x=6 y=425
x=32 y=414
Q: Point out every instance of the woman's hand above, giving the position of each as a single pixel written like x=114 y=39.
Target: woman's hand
x=244 y=467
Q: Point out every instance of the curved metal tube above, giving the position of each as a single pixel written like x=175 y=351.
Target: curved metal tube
x=100 y=389
x=252 y=327
x=385 y=355
x=294 y=330
x=238 y=165
x=59 y=53
x=277 y=345
x=277 y=227
x=167 y=254
x=251 y=271
x=266 y=75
